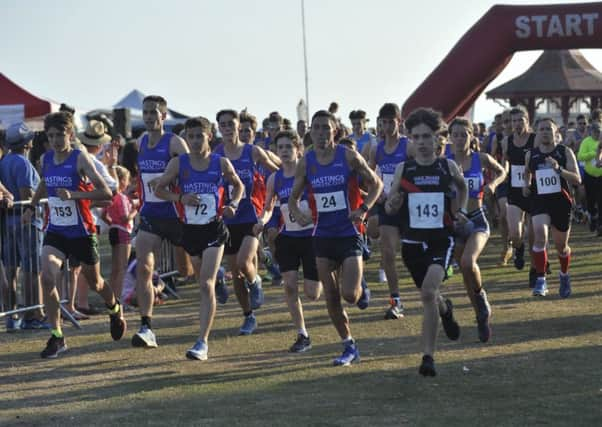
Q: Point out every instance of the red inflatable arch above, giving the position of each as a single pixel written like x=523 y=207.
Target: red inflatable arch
x=488 y=46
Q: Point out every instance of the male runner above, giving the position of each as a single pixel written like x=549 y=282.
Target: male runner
x=241 y=249
x=70 y=229
x=200 y=176
x=159 y=219
x=331 y=172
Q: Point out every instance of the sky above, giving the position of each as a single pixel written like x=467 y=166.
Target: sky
x=203 y=55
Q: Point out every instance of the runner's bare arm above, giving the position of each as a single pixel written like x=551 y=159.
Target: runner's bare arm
x=260 y=156
x=268 y=207
x=372 y=158
x=490 y=163
x=395 y=198
x=177 y=146
x=168 y=177
x=373 y=183
x=293 y=201
x=230 y=175
x=528 y=176
x=87 y=169
x=461 y=188
x=571 y=173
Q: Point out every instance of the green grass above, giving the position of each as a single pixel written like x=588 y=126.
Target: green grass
x=543 y=365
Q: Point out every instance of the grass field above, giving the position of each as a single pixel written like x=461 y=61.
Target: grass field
x=543 y=365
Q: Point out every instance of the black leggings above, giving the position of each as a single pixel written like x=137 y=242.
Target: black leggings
x=593 y=194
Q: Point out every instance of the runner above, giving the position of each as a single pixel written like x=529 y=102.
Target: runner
x=472 y=238
x=550 y=169
x=294 y=243
x=70 y=230
x=158 y=219
x=200 y=175
x=422 y=189
x=514 y=148
x=241 y=249
x=364 y=140
x=501 y=191
x=384 y=158
x=332 y=172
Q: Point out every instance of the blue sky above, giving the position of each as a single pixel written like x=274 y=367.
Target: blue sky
x=206 y=55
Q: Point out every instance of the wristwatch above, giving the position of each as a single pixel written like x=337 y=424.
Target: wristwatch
x=364 y=207
x=558 y=170
x=233 y=205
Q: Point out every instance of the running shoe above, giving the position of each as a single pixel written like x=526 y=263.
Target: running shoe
x=382 y=276
x=350 y=355
x=13 y=325
x=54 y=347
x=395 y=311
x=364 y=300
x=118 y=324
x=483 y=316
x=450 y=325
x=221 y=289
x=302 y=344
x=198 y=351
x=427 y=367
x=519 y=257
x=565 y=285
x=145 y=337
x=256 y=293
x=248 y=325
x=541 y=287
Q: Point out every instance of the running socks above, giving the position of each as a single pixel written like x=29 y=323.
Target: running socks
x=146 y=320
x=540 y=256
x=114 y=309
x=565 y=260
x=57 y=333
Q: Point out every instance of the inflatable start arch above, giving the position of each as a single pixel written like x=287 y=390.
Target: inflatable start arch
x=484 y=51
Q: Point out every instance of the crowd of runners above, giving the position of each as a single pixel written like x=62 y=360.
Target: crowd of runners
x=321 y=197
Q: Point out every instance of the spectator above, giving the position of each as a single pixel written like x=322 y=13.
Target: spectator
x=20 y=242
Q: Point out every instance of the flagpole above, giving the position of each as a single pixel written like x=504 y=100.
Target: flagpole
x=305 y=58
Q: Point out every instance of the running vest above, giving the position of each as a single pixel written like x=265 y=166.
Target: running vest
x=516 y=158
x=69 y=218
x=546 y=184
x=207 y=184
x=362 y=140
x=283 y=187
x=151 y=165
x=254 y=188
x=335 y=190
x=475 y=181
x=425 y=213
x=386 y=163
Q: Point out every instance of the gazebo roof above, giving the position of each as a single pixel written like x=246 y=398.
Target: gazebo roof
x=555 y=73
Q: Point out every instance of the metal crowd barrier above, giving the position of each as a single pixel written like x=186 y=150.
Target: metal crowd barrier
x=166 y=266
x=21 y=251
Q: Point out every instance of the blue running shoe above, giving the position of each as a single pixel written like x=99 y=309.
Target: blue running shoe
x=350 y=354
x=565 y=285
x=221 y=289
x=248 y=326
x=13 y=325
x=364 y=300
x=198 y=351
x=541 y=287
x=256 y=293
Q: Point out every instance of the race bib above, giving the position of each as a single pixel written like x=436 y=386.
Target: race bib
x=204 y=212
x=517 y=176
x=290 y=224
x=473 y=183
x=231 y=190
x=330 y=202
x=62 y=212
x=426 y=210
x=149 y=194
x=548 y=181
x=387 y=182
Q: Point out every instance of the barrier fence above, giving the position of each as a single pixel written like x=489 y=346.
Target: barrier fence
x=20 y=266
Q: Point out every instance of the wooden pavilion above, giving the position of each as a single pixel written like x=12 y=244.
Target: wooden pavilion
x=562 y=78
